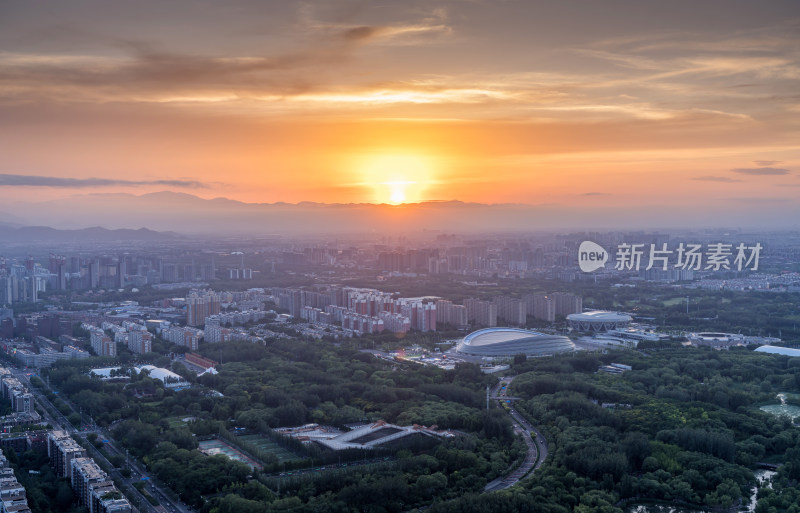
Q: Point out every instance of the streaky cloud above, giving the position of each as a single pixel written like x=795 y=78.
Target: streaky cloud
x=761 y=171
x=709 y=178
x=8 y=180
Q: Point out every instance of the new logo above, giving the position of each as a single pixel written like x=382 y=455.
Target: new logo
x=591 y=256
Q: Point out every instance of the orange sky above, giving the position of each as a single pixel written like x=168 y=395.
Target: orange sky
x=518 y=102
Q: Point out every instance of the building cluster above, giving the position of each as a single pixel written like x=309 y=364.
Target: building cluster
x=667 y=276
x=727 y=340
x=471 y=259
x=42 y=351
x=183 y=336
x=359 y=310
x=547 y=306
x=102 y=344
x=220 y=327
x=79 y=273
x=13 y=390
x=20 y=282
x=133 y=334
x=91 y=485
x=372 y=311
x=32 y=325
x=240 y=274
x=21 y=399
x=13 y=498
x=23 y=280
x=515 y=311
x=214 y=333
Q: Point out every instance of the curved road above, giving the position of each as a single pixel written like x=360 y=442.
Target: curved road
x=537 y=445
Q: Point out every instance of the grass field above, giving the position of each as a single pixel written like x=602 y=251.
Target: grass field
x=176 y=422
x=267 y=445
x=217 y=446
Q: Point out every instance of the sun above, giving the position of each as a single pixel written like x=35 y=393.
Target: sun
x=397 y=178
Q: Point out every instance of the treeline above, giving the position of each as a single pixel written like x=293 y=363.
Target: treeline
x=684 y=426
x=290 y=383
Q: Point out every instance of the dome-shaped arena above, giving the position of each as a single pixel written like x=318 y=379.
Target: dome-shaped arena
x=598 y=320
x=512 y=341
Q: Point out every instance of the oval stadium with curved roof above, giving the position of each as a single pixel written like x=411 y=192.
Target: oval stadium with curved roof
x=598 y=320
x=512 y=341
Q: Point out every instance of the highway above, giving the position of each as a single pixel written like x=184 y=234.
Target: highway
x=535 y=441
x=60 y=422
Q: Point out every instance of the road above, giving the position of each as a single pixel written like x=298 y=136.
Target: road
x=60 y=422
x=535 y=441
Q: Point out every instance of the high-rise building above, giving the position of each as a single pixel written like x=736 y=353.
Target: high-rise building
x=199 y=306
x=94 y=274
x=121 y=271
x=62 y=449
x=102 y=343
x=544 y=308
x=567 y=303
x=448 y=313
x=511 y=310
x=140 y=342
x=481 y=313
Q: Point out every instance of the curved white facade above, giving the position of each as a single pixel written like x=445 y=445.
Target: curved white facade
x=598 y=320
x=513 y=341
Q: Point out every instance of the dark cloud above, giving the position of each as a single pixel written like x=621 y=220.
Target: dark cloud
x=763 y=163
x=761 y=171
x=716 y=179
x=147 y=69
x=77 y=183
x=360 y=33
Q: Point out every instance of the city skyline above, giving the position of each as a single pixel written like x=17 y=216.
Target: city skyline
x=663 y=114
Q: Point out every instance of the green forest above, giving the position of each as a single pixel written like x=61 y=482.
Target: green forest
x=683 y=427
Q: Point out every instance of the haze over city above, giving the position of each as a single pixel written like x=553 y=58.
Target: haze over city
x=579 y=114
x=452 y=256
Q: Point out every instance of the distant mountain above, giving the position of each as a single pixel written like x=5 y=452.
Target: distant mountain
x=95 y=233
x=188 y=214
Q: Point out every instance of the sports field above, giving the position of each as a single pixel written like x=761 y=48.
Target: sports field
x=217 y=446
x=267 y=445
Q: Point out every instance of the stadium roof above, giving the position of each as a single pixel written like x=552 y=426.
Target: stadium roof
x=512 y=341
x=600 y=316
x=787 y=351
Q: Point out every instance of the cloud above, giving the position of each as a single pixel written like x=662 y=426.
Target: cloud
x=366 y=33
x=761 y=200
x=595 y=194
x=709 y=178
x=405 y=32
x=359 y=33
x=763 y=163
x=141 y=71
x=761 y=171
x=7 y=180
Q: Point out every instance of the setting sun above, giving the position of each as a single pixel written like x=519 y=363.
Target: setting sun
x=397 y=179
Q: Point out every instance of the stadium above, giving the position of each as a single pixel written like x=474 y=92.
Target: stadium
x=598 y=320
x=495 y=342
